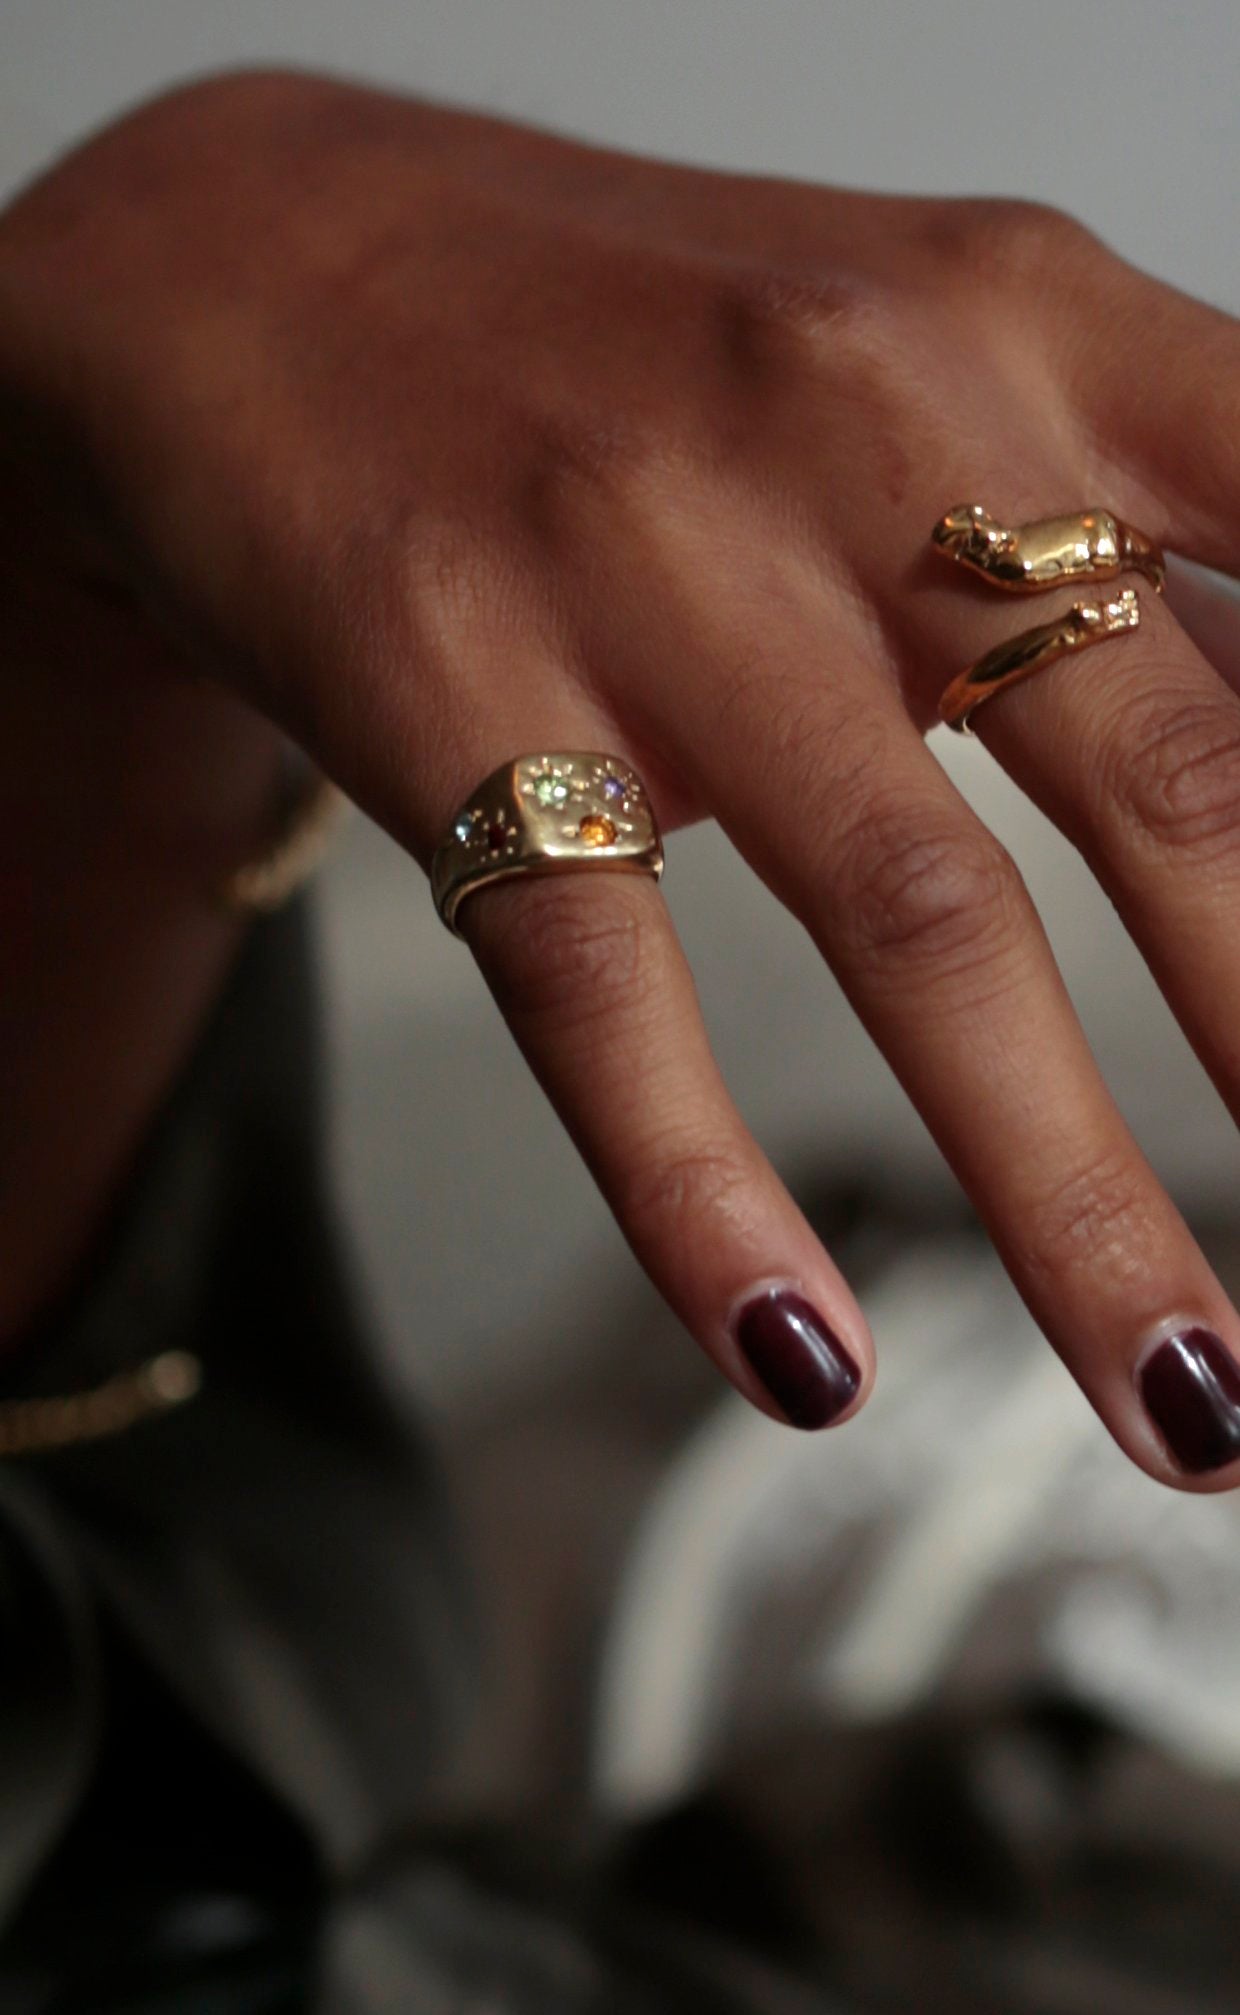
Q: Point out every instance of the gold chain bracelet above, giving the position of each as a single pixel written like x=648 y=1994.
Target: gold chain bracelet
x=41 y=1426
x=168 y=1380
x=309 y=829
x=268 y=880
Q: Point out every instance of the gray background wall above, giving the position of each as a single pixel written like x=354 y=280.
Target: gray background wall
x=1122 y=110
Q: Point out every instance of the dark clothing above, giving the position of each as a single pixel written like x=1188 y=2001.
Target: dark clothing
x=233 y=1638
x=233 y=1653
x=235 y=1647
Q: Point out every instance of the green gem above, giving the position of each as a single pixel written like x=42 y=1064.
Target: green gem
x=551 y=790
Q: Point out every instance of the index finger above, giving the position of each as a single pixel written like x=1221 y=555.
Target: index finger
x=592 y=981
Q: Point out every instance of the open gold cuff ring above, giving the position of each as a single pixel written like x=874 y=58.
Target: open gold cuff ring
x=1084 y=623
x=1092 y=545
x=1033 y=558
x=544 y=815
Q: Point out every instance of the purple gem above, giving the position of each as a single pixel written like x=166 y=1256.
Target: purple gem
x=612 y=788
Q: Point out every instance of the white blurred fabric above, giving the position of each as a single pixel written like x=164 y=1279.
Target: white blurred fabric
x=971 y=1537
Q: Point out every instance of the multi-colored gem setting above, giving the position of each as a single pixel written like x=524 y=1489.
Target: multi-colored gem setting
x=551 y=790
x=597 y=830
x=595 y=793
x=544 y=813
x=579 y=786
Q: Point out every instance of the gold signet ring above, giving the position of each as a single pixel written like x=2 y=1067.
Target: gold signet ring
x=545 y=815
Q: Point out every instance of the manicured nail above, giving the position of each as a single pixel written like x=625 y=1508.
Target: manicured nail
x=797 y=1356
x=1191 y=1388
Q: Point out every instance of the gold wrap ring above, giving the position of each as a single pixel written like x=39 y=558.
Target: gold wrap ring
x=1047 y=553
x=1083 y=624
x=542 y=815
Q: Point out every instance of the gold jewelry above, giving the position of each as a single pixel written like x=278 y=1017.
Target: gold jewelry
x=272 y=877
x=1083 y=624
x=41 y=1426
x=1030 y=559
x=546 y=814
x=1091 y=545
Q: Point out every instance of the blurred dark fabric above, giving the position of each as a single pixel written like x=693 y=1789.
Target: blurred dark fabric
x=236 y=1654
x=235 y=1645
x=236 y=1648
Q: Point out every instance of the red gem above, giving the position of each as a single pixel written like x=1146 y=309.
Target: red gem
x=497 y=834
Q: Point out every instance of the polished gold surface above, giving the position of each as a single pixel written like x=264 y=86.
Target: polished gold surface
x=1088 y=545
x=546 y=814
x=1085 y=623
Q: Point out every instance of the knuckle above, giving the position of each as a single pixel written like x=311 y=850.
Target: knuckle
x=823 y=352
x=1175 y=774
x=450 y=581
x=778 y=322
x=784 y=302
x=1001 y=237
x=799 y=725
x=595 y=468
x=677 y=1188
x=926 y=893
x=451 y=598
x=586 y=451
x=1097 y=1218
x=559 y=953
x=259 y=93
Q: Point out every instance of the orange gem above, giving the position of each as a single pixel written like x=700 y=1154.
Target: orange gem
x=597 y=830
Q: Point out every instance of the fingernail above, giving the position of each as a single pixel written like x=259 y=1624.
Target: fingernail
x=797 y=1356
x=1191 y=1388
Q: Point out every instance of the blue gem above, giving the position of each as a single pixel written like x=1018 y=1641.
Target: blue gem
x=463 y=827
x=612 y=788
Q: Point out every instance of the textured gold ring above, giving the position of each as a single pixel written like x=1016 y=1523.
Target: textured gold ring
x=1091 y=545
x=1083 y=624
x=545 y=815
x=1047 y=553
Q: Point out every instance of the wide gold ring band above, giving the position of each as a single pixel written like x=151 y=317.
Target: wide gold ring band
x=547 y=814
x=1091 y=545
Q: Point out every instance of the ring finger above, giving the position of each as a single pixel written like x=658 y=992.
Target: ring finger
x=816 y=770
x=1135 y=754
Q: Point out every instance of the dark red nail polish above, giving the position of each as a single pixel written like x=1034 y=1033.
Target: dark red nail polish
x=1191 y=1389
x=797 y=1357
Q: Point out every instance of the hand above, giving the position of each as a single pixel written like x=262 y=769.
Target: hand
x=439 y=440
